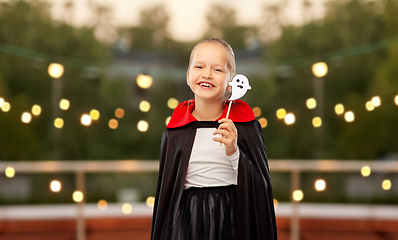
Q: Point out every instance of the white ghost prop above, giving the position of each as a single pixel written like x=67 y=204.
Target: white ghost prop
x=240 y=85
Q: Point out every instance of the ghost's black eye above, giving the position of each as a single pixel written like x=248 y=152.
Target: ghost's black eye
x=237 y=80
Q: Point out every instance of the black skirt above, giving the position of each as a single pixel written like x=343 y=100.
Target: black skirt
x=206 y=213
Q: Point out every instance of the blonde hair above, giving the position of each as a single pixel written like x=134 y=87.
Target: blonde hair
x=231 y=64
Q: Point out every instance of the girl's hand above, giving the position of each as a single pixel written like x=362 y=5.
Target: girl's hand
x=229 y=135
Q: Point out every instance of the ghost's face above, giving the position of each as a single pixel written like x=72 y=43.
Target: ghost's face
x=240 y=85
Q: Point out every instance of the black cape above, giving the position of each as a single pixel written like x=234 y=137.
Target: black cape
x=255 y=218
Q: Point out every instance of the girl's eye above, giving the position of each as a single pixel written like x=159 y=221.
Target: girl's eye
x=200 y=67
x=218 y=70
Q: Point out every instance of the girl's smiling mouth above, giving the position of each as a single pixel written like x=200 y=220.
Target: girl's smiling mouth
x=206 y=85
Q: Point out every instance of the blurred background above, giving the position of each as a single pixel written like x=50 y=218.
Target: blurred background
x=96 y=81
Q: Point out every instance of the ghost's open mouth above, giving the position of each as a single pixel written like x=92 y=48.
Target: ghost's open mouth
x=240 y=86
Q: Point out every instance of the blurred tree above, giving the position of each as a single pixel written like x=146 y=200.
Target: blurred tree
x=348 y=81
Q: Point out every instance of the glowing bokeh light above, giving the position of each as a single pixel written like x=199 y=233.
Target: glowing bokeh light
x=386 y=184
x=320 y=185
x=55 y=186
x=10 y=172
x=144 y=81
x=64 y=104
x=55 y=70
x=85 y=120
x=6 y=107
x=396 y=100
x=320 y=69
x=365 y=171
x=59 y=123
x=26 y=117
x=349 y=116
x=167 y=120
x=376 y=101
x=172 y=103
x=150 y=201
x=317 y=122
x=142 y=126
x=94 y=114
x=102 y=204
x=369 y=106
x=290 y=119
x=77 y=196
x=36 y=110
x=276 y=203
x=281 y=113
x=257 y=111
x=127 y=208
x=298 y=195
x=145 y=106
x=263 y=122
x=113 y=123
x=339 y=109
x=119 y=112
x=311 y=103
x=1 y=102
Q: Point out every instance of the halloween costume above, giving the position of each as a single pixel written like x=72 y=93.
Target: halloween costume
x=255 y=216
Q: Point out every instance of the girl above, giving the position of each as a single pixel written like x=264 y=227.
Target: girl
x=204 y=190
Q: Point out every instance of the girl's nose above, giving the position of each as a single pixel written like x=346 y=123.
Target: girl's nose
x=207 y=74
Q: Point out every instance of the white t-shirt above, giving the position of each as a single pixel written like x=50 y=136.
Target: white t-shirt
x=209 y=166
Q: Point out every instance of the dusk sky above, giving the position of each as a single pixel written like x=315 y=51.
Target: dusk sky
x=187 y=17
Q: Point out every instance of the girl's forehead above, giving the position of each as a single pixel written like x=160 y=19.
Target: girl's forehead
x=210 y=50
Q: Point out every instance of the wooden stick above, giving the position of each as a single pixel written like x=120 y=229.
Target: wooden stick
x=229 y=109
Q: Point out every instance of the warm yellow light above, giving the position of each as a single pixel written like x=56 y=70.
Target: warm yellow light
x=77 y=196
x=55 y=186
x=145 y=106
x=94 y=114
x=263 y=122
x=281 y=113
x=311 y=103
x=1 y=102
x=386 y=184
x=85 y=120
x=339 y=109
x=376 y=101
x=142 y=126
x=10 y=172
x=55 y=70
x=127 y=208
x=119 y=113
x=36 y=110
x=6 y=107
x=320 y=69
x=298 y=195
x=113 y=124
x=59 y=123
x=349 y=116
x=144 y=81
x=320 y=185
x=150 y=201
x=317 y=122
x=64 y=104
x=167 y=120
x=102 y=204
x=369 y=106
x=172 y=103
x=257 y=111
x=26 y=117
x=396 y=100
x=365 y=171
x=290 y=119
x=276 y=203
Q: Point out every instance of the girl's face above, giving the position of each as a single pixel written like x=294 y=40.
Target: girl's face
x=208 y=74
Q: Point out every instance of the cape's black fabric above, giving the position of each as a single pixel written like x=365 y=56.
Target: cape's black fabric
x=255 y=208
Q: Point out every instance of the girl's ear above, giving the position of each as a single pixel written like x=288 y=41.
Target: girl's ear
x=228 y=88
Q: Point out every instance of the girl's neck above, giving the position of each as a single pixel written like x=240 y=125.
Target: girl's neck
x=205 y=111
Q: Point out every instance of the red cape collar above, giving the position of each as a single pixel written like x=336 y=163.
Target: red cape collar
x=182 y=115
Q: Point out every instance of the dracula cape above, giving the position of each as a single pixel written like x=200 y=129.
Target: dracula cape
x=255 y=216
